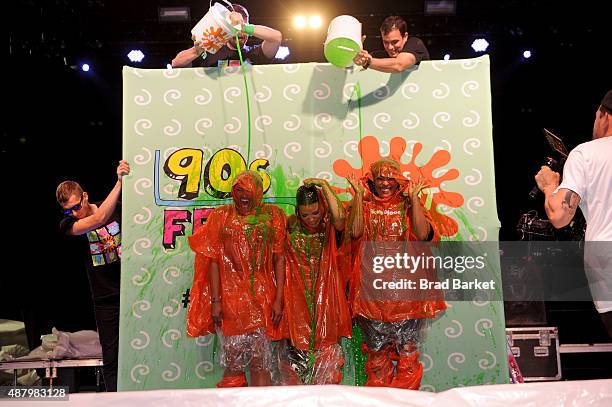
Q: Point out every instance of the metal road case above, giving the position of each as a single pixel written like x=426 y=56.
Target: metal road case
x=536 y=350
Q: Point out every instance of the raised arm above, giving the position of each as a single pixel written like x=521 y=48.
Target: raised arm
x=271 y=38
x=420 y=224
x=561 y=206
x=336 y=209
x=106 y=209
x=356 y=219
x=184 y=58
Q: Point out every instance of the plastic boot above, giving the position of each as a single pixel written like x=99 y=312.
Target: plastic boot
x=288 y=376
x=409 y=372
x=328 y=365
x=238 y=380
x=379 y=367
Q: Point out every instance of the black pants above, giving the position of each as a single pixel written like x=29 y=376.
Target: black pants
x=107 y=319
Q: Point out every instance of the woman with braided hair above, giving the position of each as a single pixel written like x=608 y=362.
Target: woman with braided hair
x=317 y=314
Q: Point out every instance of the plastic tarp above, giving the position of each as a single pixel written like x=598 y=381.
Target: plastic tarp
x=67 y=345
x=591 y=393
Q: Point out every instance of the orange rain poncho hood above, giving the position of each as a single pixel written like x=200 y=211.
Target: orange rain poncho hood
x=387 y=168
x=252 y=182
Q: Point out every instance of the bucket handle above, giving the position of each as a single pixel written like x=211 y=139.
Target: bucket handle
x=231 y=6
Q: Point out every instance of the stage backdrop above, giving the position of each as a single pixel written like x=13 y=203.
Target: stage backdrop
x=185 y=134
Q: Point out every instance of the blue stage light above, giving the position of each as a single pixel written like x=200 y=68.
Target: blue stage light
x=480 y=45
x=136 y=55
x=282 y=53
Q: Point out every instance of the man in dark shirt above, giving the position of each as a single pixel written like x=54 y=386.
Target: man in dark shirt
x=403 y=51
x=259 y=54
x=100 y=223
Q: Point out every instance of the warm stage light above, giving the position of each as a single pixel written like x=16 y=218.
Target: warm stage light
x=300 y=22
x=315 y=21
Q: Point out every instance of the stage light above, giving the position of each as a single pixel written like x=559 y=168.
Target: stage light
x=315 y=21
x=300 y=22
x=85 y=67
x=136 y=55
x=440 y=7
x=282 y=53
x=446 y=57
x=480 y=45
x=527 y=54
x=173 y=14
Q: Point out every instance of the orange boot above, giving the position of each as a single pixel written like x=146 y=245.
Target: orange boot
x=379 y=367
x=409 y=372
x=234 y=380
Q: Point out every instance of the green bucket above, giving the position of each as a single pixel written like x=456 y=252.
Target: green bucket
x=343 y=41
x=341 y=51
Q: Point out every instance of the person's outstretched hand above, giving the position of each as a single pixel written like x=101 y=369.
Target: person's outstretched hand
x=122 y=169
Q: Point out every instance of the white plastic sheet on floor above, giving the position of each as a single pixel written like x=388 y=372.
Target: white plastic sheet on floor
x=590 y=393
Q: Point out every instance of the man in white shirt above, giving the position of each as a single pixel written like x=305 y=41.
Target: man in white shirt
x=587 y=182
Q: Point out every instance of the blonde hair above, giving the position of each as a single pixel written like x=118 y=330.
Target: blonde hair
x=66 y=189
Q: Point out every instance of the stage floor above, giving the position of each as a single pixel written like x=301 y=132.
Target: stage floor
x=590 y=393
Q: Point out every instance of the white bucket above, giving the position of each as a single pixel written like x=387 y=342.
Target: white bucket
x=343 y=41
x=214 y=29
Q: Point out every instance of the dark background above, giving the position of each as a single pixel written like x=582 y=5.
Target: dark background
x=63 y=123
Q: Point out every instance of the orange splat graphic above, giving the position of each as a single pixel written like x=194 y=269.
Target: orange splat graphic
x=108 y=244
x=213 y=38
x=369 y=150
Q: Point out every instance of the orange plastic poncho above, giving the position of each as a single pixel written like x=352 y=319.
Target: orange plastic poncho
x=311 y=256
x=243 y=247
x=388 y=220
x=346 y=248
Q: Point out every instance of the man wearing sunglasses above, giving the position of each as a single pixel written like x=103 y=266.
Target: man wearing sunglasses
x=100 y=223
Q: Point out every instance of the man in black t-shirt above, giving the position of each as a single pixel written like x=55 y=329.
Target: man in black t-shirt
x=259 y=54
x=403 y=51
x=100 y=223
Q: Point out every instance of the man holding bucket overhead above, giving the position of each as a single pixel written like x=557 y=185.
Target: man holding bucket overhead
x=259 y=54
x=403 y=51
